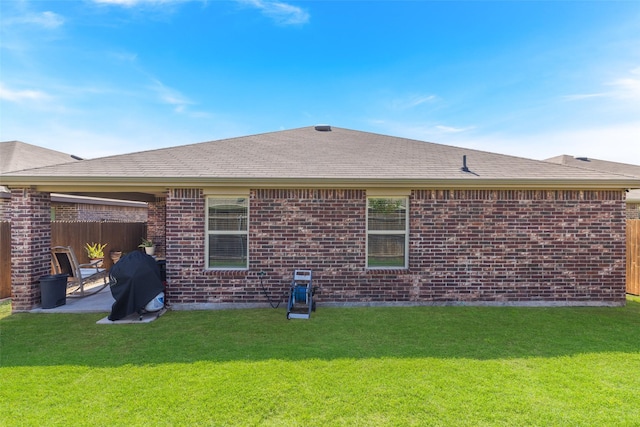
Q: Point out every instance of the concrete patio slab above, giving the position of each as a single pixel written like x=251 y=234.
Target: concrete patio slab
x=100 y=302
x=134 y=318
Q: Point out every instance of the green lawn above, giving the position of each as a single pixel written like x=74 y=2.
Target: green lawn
x=444 y=366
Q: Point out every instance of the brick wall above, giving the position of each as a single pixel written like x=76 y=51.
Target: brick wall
x=518 y=246
x=475 y=246
x=5 y=206
x=30 y=245
x=185 y=248
x=85 y=212
x=321 y=230
x=64 y=211
x=97 y=212
x=156 y=224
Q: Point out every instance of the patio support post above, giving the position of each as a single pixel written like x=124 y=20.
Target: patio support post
x=185 y=244
x=30 y=245
x=156 y=224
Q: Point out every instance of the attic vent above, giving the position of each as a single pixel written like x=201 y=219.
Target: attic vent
x=584 y=159
x=74 y=157
x=464 y=167
x=323 y=128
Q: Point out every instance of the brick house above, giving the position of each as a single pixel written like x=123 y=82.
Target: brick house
x=380 y=220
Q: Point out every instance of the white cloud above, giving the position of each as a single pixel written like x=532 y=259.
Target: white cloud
x=131 y=3
x=96 y=138
x=412 y=101
x=437 y=133
x=170 y=96
x=626 y=87
x=617 y=143
x=21 y=95
x=47 y=20
x=177 y=100
x=580 y=96
x=123 y=56
x=613 y=142
x=118 y=2
x=282 y=13
x=451 y=129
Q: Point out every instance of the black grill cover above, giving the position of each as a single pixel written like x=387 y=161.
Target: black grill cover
x=135 y=281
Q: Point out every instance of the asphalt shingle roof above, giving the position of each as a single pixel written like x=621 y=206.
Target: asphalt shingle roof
x=598 y=165
x=17 y=155
x=308 y=154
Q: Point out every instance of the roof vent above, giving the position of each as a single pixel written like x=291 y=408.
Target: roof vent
x=323 y=128
x=464 y=167
x=583 y=159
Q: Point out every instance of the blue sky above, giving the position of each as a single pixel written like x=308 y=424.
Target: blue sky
x=528 y=78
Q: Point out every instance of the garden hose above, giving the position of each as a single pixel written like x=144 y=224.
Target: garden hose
x=266 y=294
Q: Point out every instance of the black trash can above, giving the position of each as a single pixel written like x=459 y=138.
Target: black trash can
x=53 y=290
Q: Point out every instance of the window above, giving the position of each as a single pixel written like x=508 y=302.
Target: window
x=387 y=231
x=227 y=232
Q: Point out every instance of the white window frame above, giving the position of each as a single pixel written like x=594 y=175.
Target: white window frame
x=209 y=233
x=389 y=232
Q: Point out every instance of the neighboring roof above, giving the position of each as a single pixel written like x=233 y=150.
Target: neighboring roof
x=17 y=155
x=599 y=165
x=603 y=166
x=309 y=157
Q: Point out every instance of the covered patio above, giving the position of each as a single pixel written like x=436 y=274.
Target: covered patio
x=31 y=241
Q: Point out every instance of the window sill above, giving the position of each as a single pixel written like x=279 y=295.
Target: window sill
x=225 y=271
x=386 y=270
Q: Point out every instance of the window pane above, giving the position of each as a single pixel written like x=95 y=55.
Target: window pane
x=386 y=250
x=228 y=251
x=228 y=214
x=387 y=232
x=387 y=214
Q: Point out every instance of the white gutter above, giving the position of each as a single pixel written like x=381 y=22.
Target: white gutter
x=160 y=184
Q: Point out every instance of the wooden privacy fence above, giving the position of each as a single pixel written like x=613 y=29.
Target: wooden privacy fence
x=120 y=236
x=633 y=256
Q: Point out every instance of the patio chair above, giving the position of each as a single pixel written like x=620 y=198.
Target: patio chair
x=65 y=262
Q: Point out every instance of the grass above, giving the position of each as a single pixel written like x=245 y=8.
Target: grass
x=440 y=366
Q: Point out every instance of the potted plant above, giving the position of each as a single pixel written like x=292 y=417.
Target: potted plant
x=95 y=252
x=148 y=246
x=115 y=255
